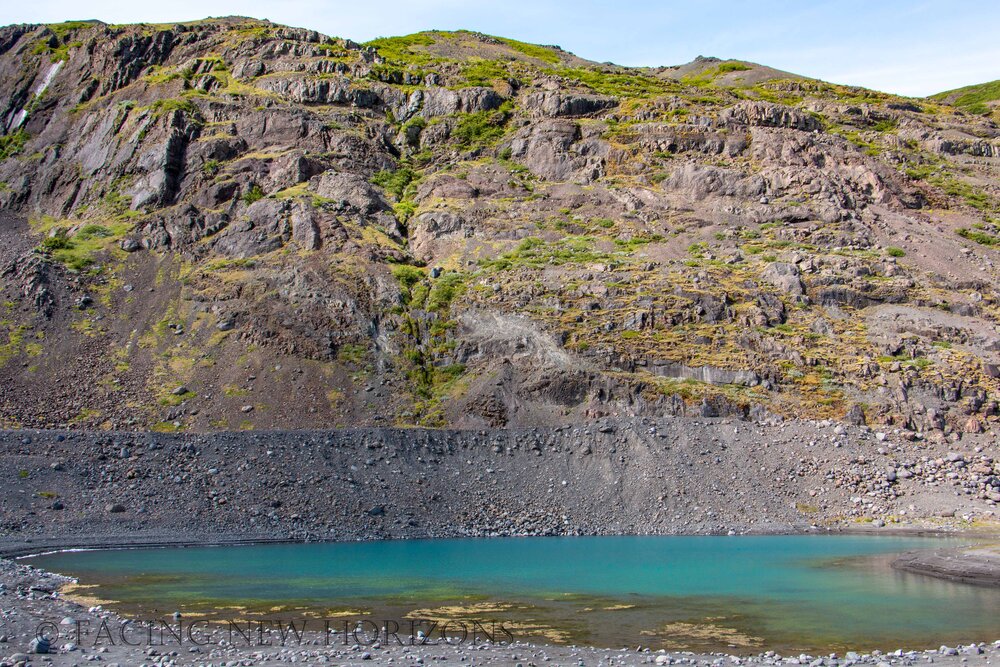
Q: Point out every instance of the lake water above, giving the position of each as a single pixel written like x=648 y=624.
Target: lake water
x=737 y=594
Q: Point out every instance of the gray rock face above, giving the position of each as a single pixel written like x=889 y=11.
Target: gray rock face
x=352 y=190
x=561 y=150
x=264 y=227
x=444 y=102
x=306 y=230
x=551 y=103
x=766 y=114
x=966 y=146
x=786 y=277
x=706 y=374
x=684 y=138
x=700 y=182
x=448 y=187
x=162 y=165
x=307 y=90
x=434 y=225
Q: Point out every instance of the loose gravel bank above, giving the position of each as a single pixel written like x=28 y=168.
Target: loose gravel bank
x=634 y=476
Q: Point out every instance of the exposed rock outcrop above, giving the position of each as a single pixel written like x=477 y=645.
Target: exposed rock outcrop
x=299 y=230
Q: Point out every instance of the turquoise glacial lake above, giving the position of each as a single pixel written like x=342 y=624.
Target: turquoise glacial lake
x=738 y=594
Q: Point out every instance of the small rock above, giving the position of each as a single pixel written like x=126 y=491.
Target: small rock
x=115 y=508
x=973 y=425
x=40 y=645
x=855 y=415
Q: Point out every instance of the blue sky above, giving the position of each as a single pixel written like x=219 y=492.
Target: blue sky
x=910 y=48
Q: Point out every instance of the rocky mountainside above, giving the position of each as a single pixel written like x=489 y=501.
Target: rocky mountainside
x=231 y=224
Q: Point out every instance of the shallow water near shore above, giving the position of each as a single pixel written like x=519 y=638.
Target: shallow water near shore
x=736 y=594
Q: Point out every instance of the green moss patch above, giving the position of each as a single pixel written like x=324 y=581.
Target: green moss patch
x=80 y=249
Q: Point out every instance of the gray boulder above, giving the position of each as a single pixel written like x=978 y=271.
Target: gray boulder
x=350 y=189
x=40 y=645
x=786 y=277
x=856 y=415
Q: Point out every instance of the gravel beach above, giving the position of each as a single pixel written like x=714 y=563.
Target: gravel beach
x=615 y=476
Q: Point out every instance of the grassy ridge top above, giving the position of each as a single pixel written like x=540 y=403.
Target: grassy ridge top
x=477 y=50
x=434 y=46
x=975 y=99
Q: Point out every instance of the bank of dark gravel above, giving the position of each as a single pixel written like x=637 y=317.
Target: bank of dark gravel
x=634 y=476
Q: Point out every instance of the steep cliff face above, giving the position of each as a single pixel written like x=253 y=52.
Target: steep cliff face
x=234 y=224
